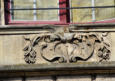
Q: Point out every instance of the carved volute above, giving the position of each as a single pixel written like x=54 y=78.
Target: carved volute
x=63 y=46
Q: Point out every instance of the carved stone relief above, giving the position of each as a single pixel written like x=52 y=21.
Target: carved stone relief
x=67 y=47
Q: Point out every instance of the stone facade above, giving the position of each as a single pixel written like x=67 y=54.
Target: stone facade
x=57 y=52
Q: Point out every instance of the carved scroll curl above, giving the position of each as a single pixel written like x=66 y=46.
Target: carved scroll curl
x=68 y=47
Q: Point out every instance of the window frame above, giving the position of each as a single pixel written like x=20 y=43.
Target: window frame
x=64 y=19
x=96 y=22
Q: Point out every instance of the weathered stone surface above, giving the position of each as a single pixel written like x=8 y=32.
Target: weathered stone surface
x=107 y=77
x=40 y=79
x=10 y=50
x=11 y=79
x=112 y=46
x=55 y=48
x=59 y=46
x=68 y=47
x=74 y=78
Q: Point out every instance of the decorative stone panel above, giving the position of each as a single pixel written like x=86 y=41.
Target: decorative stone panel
x=67 y=47
x=55 y=45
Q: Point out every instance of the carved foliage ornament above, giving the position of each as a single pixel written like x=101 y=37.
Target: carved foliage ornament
x=68 y=47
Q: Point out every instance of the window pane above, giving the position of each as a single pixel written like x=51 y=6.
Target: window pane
x=47 y=14
x=88 y=15
x=104 y=13
x=22 y=14
x=81 y=15
x=41 y=15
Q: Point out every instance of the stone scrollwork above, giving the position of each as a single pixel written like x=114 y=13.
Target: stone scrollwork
x=30 y=53
x=68 y=47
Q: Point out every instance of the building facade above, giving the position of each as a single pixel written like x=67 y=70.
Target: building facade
x=57 y=40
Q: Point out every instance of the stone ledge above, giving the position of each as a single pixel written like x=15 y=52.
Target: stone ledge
x=63 y=66
x=18 y=29
x=57 y=69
